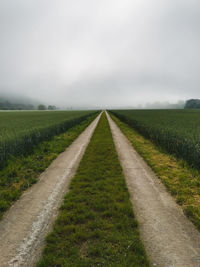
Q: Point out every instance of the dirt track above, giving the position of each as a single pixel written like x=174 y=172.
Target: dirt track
x=25 y=225
x=169 y=237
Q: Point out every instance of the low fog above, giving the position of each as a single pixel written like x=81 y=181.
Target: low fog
x=108 y=53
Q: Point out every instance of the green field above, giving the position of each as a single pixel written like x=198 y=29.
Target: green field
x=96 y=225
x=23 y=171
x=21 y=131
x=176 y=131
x=181 y=180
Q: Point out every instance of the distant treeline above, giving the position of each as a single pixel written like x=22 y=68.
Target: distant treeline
x=165 y=105
x=192 y=104
x=6 y=105
x=13 y=106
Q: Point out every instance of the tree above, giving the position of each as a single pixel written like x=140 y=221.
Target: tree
x=50 y=107
x=192 y=103
x=42 y=107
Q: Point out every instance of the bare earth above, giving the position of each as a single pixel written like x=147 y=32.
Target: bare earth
x=25 y=225
x=169 y=237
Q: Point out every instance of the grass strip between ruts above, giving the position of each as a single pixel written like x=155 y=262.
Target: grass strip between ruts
x=24 y=171
x=182 y=181
x=96 y=225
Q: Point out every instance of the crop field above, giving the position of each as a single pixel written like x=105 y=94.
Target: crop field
x=109 y=199
x=176 y=131
x=21 y=131
x=22 y=172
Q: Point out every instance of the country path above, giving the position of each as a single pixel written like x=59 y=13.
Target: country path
x=170 y=239
x=25 y=225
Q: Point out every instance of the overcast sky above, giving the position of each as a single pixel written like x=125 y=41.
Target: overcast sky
x=103 y=53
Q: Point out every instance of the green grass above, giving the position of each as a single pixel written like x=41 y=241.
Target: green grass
x=96 y=225
x=21 y=131
x=182 y=181
x=21 y=172
x=176 y=131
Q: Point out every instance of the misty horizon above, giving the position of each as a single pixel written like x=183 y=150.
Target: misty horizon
x=150 y=105
x=100 y=54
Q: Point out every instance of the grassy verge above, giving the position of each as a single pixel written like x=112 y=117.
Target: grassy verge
x=22 y=172
x=180 y=179
x=96 y=225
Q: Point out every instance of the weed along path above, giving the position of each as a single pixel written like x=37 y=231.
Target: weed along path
x=169 y=237
x=25 y=225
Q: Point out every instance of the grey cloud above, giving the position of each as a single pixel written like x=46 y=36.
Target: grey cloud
x=105 y=53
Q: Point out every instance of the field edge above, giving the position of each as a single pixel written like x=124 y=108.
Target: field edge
x=22 y=172
x=181 y=180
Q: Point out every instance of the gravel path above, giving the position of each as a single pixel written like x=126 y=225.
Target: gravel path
x=169 y=237
x=25 y=225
